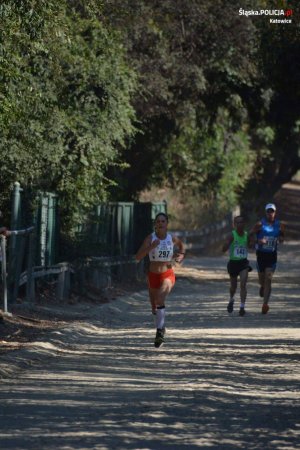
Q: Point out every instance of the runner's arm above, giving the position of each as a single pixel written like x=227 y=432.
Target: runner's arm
x=5 y=231
x=146 y=247
x=254 y=230
x=179 y=244
x=227 y=244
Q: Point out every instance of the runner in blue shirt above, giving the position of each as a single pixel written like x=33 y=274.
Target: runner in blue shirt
x=269 y=231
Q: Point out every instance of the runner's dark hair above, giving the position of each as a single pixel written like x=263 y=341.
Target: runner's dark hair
x=162 y=214
x=238 y=217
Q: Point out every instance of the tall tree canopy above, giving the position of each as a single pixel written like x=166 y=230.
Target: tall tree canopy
x=66 y=99
x=104 y=99
x=213 y=108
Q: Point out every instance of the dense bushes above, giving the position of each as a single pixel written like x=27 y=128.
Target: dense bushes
x=104 y=99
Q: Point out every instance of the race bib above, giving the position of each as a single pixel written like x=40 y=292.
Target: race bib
x=164 y=254
x=164 y=251
x=240 y=252
x=270 y=243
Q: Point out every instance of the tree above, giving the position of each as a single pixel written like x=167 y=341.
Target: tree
x=279 y=112
x=66 y=109
x=191 y=69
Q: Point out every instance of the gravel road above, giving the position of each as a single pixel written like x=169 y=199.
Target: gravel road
x=220 y=381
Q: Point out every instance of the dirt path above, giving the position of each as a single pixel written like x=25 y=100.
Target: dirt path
x=220 y=382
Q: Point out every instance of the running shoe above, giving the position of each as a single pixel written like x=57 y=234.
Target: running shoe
x=242 y=312
x=261 y=291
x=265 y=308
x=230 y=307
x=159 y=338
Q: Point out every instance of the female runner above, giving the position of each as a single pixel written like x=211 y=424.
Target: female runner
x=159 y=245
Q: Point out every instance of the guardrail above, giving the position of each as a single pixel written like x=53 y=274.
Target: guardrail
x=98 y=273
x=94 y=273
x=197 y=240
x=62 y=270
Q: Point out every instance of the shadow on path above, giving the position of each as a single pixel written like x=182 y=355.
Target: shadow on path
x=220 y=381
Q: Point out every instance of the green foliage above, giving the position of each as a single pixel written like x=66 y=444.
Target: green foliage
x=215 y=164
x=66 y=111
x=102 y=99
x=193 y=71
x=219 y=97
x=277 y=106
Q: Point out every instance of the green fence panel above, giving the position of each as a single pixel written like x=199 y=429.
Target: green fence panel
x=142 y=223
x=99 y=236
x=158 y=207
x=124 y=228
x=30 y=209
x=108 y=230
x=112 y=228
x=47 y=229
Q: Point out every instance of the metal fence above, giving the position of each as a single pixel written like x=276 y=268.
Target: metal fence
x=41 y=211
x=10 y=285
x=47 y=229
x=116 y=228
x=111 y=230
x=106 y=242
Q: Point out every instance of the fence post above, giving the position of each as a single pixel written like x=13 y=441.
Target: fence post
x=30 y=287
x=14 y=240
x=4 y=279
x=18 y=269
x=16 y=204
x=63 y=283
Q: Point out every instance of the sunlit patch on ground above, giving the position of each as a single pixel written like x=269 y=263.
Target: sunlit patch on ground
x=220 y=381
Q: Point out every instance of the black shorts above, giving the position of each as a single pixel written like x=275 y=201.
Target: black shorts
x=266 y=260
x=235 y=267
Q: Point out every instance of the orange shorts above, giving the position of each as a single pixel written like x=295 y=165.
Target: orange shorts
x=155 y=280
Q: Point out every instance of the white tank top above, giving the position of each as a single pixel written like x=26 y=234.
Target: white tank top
x=164 y=251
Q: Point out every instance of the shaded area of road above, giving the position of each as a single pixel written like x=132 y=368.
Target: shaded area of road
x=220 y=381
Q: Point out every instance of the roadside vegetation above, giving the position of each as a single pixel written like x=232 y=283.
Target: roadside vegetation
x=102 y=100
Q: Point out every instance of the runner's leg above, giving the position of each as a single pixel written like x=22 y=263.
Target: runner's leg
x=160 y=300
x=233 y=286
x=152 y=296
x=268 y=282
x=243 y=290
x=243 y=285
x=232 y=291
x=261 y=280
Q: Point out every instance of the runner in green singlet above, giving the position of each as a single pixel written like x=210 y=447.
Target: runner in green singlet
x=238 y=264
